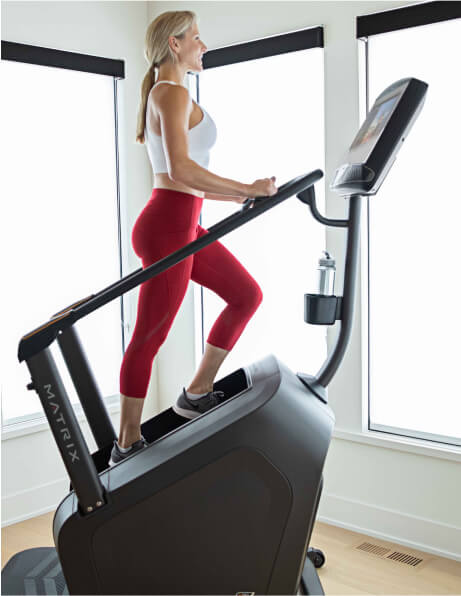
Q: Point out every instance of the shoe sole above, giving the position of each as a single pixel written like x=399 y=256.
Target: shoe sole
x=114 y=463
x=185 y=413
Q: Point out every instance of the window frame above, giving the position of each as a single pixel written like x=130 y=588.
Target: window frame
x=387 y=21
x=43 y=56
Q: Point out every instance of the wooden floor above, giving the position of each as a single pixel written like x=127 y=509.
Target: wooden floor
x=376 y=567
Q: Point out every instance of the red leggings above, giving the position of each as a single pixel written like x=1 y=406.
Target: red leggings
x=168 y=222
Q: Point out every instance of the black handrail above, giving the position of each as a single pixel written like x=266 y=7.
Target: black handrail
x=41 y=337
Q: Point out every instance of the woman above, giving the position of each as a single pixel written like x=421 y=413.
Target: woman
x=179 y=135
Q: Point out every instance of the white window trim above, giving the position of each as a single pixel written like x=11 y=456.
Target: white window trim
x=399 y=443
x=19 y=429
x=386 y=439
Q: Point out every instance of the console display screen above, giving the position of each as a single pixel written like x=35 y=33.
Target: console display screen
x=373 y=126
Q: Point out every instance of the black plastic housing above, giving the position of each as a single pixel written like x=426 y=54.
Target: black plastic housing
x=322 y=310
x=380 y=137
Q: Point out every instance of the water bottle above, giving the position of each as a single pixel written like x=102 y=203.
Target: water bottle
x=326 y=277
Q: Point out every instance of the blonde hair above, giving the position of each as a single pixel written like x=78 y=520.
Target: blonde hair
x=157 y=51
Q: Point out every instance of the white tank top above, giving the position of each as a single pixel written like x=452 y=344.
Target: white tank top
x=201 y=138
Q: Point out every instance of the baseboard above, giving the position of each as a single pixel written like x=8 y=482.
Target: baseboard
x=37 y=501
x=394 y=526
x=420 y=533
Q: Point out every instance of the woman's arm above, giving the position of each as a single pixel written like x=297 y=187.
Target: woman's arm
x=218 y=197
x=173 y=107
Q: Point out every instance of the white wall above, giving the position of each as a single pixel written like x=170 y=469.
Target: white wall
x=395 y=489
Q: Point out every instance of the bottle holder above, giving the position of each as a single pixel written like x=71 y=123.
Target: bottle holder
x=322 y=310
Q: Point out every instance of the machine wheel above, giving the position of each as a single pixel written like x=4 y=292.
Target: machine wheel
x=316 y=556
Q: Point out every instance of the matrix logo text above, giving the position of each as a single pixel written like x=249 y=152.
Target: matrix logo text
x=59 y=417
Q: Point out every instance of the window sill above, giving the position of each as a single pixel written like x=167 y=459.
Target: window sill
x=377 y=439
x=389 y=441
x=13 y=431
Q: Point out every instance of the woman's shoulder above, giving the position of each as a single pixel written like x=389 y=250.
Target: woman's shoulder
x=164 y=94
x=165 y=87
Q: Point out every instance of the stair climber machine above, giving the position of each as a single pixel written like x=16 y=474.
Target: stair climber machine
x=224 y=503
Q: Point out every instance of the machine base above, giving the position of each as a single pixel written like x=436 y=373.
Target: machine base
x=38 y=571
x=34 y=571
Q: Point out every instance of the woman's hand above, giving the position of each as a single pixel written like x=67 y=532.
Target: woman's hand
x=263 y=187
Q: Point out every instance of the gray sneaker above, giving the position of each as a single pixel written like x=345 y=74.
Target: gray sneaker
x=191 y=408
x=117 y=456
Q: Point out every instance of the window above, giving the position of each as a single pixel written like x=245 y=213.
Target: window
x=266 y=98
x=414 y=250
x=60 y=232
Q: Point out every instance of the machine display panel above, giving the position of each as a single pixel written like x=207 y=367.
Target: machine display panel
x=374 y=148
x=373 y=127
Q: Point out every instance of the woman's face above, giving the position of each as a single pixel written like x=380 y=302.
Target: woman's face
x=192 y=49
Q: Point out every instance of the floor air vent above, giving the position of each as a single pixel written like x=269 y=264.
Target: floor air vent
x=373 y=549
x=404 y=558
x=387 y=553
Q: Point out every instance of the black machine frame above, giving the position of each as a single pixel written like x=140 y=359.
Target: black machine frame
x=78 y=527
x=82 y=467
x=47 y=382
